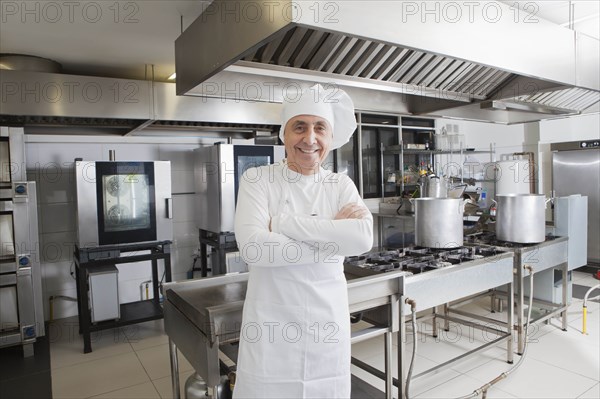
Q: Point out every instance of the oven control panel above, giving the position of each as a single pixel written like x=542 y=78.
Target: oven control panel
x=589 y=144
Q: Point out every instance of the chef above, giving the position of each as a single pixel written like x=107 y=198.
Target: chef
x=295 y=222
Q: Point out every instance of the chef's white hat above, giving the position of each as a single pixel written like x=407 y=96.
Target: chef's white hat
x=331 y=103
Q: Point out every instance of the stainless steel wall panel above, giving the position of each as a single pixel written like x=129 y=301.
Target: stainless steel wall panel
x=86 y=215
x=58 y=95
x=211 y=108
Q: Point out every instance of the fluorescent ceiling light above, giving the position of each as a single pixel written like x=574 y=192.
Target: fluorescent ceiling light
x=172 y=77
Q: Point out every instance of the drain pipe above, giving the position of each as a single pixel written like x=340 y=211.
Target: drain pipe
x=585 y=299
x=484 y=388
x=413 y=311
x=146 y=283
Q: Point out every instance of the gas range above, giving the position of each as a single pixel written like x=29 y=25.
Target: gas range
x=415 y=260
x=490 y=239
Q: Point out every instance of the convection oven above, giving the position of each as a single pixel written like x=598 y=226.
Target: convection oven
x=217 y=173
x=123 y=202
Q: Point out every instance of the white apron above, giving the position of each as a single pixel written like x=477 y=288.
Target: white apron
x=295 y=334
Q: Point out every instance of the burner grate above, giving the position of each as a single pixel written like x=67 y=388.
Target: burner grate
x=416 y=259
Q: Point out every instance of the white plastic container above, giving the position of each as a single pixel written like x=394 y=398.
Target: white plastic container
x=513 y=177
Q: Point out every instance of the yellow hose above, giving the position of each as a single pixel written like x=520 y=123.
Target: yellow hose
x=584 y=330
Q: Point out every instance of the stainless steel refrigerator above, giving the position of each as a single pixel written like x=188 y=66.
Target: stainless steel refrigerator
x=576 y=170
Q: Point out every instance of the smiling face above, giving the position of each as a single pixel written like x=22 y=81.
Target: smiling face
x=307 y=141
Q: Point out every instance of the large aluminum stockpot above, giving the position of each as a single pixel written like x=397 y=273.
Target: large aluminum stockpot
x=439 y=222
x=521 y=218
x=434 y=187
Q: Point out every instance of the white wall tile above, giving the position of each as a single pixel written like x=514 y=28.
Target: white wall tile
x=131 y=152
x=184 y=208
x=54 y=185
x=61 y=155
x=180 y=155
x=62 y=308
x=182 y=181
x=185 y=234
x=57 y=276
x=182 y=260
x=129 y=291
x=57 y=247
x=58 y=217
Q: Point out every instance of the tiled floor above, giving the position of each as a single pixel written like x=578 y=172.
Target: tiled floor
x=133 y=362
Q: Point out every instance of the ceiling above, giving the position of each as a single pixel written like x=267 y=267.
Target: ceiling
x=125 y=38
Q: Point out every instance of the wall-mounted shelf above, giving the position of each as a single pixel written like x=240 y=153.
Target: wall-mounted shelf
x=400 y=151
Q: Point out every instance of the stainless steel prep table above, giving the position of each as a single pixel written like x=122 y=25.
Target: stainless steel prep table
x=201 y=315
x=552 y=253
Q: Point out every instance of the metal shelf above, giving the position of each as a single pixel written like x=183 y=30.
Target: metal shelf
x=401 y=151
x=133 y=313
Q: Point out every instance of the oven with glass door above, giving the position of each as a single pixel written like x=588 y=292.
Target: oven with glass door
x=123 y=202
x=218 y=170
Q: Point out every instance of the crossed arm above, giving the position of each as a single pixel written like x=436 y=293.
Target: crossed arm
x=285 y=239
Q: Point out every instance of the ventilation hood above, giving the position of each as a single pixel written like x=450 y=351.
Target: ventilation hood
x=54 y=103
x=477 y=61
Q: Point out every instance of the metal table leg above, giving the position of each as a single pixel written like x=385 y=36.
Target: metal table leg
x=401 y=355
x=510 y=308
x=565 y=294
x=174 y=370
x=520 y=310
x=389 y=377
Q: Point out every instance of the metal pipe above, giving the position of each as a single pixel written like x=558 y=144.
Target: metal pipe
x=111 y=155
x=142 y=289
x=413 y=311
x=585 y=299
x=484 y=388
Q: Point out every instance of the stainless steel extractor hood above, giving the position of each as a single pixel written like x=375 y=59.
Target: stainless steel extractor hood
x=469 y=60
x=54 y=103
